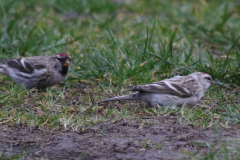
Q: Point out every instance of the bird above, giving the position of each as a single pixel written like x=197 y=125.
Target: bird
x=176 y=91
x=37 y=72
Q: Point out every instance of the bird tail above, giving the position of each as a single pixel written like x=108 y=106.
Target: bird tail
x=124 y=97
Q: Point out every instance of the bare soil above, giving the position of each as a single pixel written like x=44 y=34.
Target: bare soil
x=158 y=137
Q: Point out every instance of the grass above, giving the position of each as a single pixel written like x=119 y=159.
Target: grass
x=118 y=44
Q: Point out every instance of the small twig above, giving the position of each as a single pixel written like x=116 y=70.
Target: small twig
x=66 y=45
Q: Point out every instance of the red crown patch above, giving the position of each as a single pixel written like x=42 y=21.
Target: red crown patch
x=63 y=54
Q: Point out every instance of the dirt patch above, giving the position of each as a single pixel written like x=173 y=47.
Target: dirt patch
x=157 y=137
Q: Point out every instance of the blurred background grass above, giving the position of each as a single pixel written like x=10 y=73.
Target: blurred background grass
x=129 y=39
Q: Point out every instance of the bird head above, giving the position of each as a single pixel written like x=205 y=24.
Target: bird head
x=63 y=62
x=204 y=79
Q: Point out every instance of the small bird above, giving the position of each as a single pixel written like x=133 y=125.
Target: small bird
x=178 y=90
x=37 y=72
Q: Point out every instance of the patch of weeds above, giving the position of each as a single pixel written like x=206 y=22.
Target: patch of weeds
x=199 y=117
x=225 y=150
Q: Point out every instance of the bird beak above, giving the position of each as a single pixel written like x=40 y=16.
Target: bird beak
x=211 y=83
x=66 y=63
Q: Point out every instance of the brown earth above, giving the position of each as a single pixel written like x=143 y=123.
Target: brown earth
x=159 y=137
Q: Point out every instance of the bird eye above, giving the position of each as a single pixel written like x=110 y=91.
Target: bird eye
x=208 y=78
x=60 y=59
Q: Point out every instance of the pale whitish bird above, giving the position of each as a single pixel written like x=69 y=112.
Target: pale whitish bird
x=178 y=90
x=37 y=72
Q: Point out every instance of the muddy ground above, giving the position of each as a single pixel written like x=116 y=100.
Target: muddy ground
x=160 y=137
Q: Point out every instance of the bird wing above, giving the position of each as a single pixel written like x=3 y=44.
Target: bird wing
x=178 y=86
x=20 y=65
x=25 y=65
